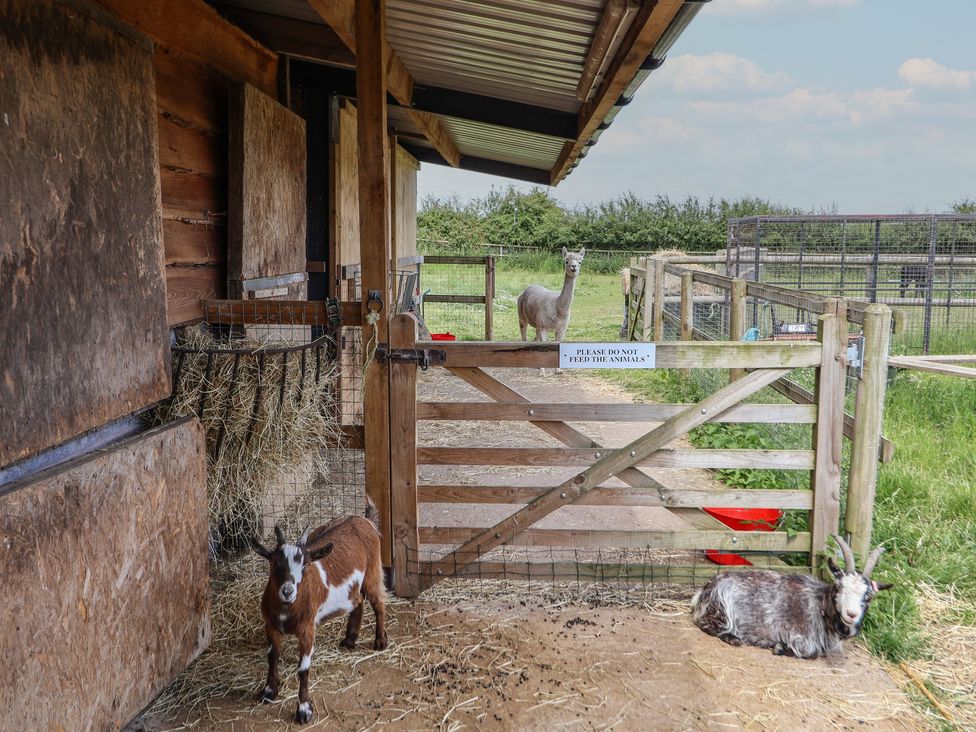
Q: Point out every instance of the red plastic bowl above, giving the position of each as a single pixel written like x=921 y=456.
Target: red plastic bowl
x=443 y=337
x=741 y=519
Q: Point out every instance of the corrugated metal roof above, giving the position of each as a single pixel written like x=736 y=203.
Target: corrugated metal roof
x=529 y=51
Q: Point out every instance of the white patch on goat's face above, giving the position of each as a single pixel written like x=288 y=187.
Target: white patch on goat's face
x=851 y=600
x=288 y=590
x=338 y=598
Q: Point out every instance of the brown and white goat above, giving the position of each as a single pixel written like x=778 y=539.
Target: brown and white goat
x=327 y=572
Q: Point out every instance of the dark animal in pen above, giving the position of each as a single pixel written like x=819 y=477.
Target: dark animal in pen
x=329 y=571
x=917 y=273
x=792 y=614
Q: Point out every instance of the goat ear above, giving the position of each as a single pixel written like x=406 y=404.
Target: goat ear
x=324 y=551
x=260 y=548
x=834 y=569
x=878 y=586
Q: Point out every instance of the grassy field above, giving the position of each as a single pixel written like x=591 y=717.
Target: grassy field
x=926 y=504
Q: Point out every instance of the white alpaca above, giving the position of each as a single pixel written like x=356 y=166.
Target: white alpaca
x=546 y=310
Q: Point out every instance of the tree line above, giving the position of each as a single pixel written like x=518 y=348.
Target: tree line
x=535 y=218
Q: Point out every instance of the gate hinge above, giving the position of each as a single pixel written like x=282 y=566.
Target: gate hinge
x=423 y=357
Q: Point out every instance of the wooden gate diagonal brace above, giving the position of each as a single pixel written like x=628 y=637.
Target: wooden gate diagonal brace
x=613 y=463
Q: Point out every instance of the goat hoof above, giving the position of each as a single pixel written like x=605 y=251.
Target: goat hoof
x=304 y=713
x=349 y=642
x=380 y=643
x=268 y=695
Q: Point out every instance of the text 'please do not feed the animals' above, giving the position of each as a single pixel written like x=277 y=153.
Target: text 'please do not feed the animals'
x=606 y=356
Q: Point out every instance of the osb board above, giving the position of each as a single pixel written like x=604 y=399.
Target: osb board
x=346 y=164
x=104 y=568
x=83 y=322
x=266 y=196
x=405 y=169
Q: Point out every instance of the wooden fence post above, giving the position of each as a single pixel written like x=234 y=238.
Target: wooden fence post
x=658 y=311
x=647 y=285
x=737 y=318
x=403 y=460
x=828 y=433
x=489 y=298
x=868 y=416
x=687 y=310
x=374 y=236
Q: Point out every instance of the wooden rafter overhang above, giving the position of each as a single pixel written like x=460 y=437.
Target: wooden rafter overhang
x=340 y=15
x=652 y=20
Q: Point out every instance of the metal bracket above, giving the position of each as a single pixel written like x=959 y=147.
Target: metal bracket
x=855 y=356
x=332 y=312
x=425 y=358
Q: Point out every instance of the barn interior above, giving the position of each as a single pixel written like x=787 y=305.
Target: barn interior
x=246 y=163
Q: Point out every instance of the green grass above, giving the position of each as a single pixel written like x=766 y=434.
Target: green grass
x=925 y=513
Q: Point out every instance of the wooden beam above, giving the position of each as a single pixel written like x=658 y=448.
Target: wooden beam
x=664 y=458
x=374 y=232
x=297 y=38
x=624 y=496
x=196 y=29
x=932 y=367
x=778 y=541
x=559 y=412
x=480 y=165
x=339 y=14
x=649 y=25
x=613 y=23
x=669 y=355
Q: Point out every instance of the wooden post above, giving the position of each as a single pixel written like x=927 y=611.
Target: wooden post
x=374 y=232
x=489 y=298
x=737 y=318
x=687 y=310
x=403 y=459
x=658 y=300
x=868 y=416
x=828 y=432
x=647 y=285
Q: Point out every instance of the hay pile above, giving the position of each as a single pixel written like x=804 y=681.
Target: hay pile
x=267 y=421
x=672 y=284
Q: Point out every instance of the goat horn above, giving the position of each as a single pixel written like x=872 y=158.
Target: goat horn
x=872 y=560
x=280 y=536
x=849 y=564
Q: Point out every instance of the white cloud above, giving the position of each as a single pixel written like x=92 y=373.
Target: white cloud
x=929 y=73
x=719 y=71
x=804 y=105
x=667 y=129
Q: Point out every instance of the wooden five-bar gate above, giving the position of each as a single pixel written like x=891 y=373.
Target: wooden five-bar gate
x=756 y=365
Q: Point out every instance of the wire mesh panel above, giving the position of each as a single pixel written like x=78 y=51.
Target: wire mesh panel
x=458 y=296
x=279 y=398
x=922 y=265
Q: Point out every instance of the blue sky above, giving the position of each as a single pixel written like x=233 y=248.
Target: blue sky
x=866 y=105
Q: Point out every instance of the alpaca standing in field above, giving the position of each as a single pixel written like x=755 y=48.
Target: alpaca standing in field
x=546 y=310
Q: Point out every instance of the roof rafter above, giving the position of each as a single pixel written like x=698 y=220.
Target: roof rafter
x=340 y=16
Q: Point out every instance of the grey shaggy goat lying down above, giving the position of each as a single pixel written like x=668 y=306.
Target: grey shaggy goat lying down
x=793 y=614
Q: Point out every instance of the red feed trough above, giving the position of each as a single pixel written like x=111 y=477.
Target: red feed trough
x=742 y=519
x=443 y=337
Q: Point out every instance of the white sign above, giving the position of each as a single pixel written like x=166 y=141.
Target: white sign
x=606 y=355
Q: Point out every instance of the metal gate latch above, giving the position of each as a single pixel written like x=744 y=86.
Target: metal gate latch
x=425 y=358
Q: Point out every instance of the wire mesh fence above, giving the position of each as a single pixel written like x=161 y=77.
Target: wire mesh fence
x=923 y=265
x=458 y=296
x=280 y=401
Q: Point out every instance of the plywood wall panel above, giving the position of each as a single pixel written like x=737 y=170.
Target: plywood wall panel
x=104 y=568
x=266 y=199
x=83 y=322
x=404 y=201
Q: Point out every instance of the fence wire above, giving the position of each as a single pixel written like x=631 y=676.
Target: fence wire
x=922 y=265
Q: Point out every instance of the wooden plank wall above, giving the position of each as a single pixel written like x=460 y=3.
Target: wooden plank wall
x=345 y=214
x=83 y=336
x=404 y=202
x=104 y=565
x=197 y=56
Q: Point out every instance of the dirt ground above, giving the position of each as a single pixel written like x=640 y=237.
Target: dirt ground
x=510 y=656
